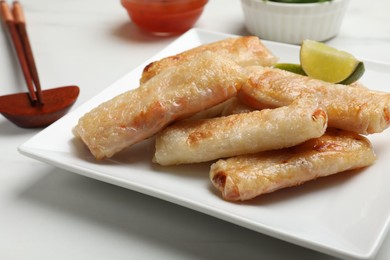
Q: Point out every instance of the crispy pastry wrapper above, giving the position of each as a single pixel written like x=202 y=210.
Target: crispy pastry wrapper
x=352 y=108
x=208 y=139
x=245 y=51
x=175 y=93
x=248 y=176
x=235 y=106
x=229 y=107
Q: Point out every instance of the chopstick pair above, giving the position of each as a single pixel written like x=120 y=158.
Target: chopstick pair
x=16 y=25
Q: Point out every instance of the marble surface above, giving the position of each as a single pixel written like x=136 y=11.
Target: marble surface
x=49 y=213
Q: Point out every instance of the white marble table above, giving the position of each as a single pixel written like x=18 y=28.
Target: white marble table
x=49 y=213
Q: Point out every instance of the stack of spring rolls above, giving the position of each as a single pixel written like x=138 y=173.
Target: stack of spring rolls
x=262 y=128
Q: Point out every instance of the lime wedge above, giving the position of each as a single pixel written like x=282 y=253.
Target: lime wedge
x=356 y=75
x=292 y=67
x=326 y=63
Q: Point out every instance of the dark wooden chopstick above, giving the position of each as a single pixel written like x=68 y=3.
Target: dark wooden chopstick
x=18 y=41
x=20 y=22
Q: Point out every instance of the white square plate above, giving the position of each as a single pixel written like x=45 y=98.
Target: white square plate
x=345 y=215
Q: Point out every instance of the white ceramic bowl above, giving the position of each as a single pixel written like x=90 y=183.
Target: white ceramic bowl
x=293 y=23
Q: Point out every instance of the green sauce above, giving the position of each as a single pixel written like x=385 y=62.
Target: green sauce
x=299 y=1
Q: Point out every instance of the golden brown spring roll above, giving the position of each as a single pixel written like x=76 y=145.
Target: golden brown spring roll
x=247 y=176
x=177 y=92
x=208 y=139
x=246 y=51
x=350 y=108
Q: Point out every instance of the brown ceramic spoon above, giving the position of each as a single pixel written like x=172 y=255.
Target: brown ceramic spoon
x=35 y=108
x=18 y=109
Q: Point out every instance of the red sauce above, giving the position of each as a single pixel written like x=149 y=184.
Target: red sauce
x=164 y=16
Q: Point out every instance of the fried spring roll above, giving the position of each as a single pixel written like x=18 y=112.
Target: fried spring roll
x=350 y=108
x=177 y=92
x=248 y=176
x=246 y=51
x=208 y=139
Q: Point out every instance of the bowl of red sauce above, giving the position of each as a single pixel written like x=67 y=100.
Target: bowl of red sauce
x=164 y=16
